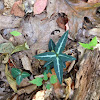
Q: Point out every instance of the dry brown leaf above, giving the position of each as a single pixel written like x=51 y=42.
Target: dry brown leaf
x=39 y=6
x=39 y=95
x=5 y=59
x=51 y=8
x=11 y=81
x=8 y=3
x=61 y=21
x=10 y=22
x=16 y=9
x=26 y=62
x=93 y=1
x=14 y=97
x=68 y=87
x=29 y=89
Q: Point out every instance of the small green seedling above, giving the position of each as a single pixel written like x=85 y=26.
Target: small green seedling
x=56 y=57
x=18 y=75
x=90 y=46
x=38 y=81
x=15 y=33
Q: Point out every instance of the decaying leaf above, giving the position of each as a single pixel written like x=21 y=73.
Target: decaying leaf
x=61 y=21
x=10 y=22
x=39 y=95
x=17 y=9
x=29 y=89
x=8 y=3
x=5 y=59
x=39 y=6
x=26 y=63
x=93 y=1
x=51 y=8
x=6 y=47
x=20 y=48
x=68 y=87
x=11 y=81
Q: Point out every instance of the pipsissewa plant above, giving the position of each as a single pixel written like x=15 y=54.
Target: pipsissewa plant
x=18 y=75
x=56 y=57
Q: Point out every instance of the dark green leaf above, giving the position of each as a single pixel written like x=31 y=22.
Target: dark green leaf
x=15 y=33
x=48 y=70
x=6 y=47
x=58 y=69
x=47 y=63
x=25 y=74
x=51 y=45
x=46 y=56
x=45 y=76
x=53 y=79
x=15 y=72
x=37 y=81
x=64 y=57
x=20 y=48
x=19 y=79
x=48 y=86
x=64 y=64
x=61 y=43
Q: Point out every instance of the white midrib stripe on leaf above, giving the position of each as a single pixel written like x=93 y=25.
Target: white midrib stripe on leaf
x=18 y=72
x=48 y=56
x=63 y=56
x=58 y=67
x=61 y=44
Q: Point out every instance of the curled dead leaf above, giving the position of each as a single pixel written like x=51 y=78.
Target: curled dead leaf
x=68 y=87
x=11 y=81
x=17 y=9
x=39 y=6
x=61 y=21
x=26 y=63
x=39 y=95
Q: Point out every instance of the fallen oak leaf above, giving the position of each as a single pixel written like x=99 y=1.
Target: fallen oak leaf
x=16 y=9
x=39 y=6
x=61 y=21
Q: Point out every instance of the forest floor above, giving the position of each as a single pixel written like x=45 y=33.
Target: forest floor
x=38 y=21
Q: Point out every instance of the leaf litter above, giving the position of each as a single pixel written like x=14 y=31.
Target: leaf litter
x=41 y=21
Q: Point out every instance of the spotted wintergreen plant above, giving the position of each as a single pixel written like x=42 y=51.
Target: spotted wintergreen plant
x=56 y=57
x=18 y=75
x=90 y=45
